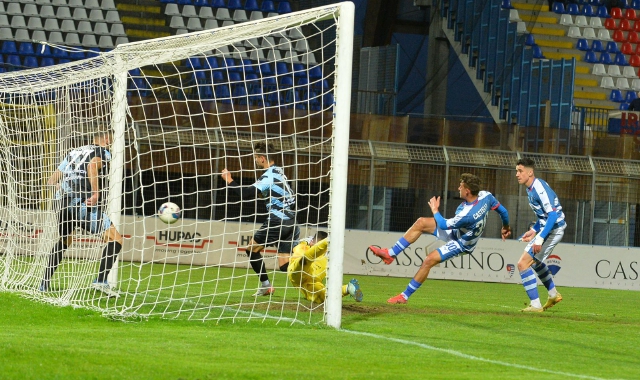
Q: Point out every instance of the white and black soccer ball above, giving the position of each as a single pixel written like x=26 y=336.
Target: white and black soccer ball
x=169 y=212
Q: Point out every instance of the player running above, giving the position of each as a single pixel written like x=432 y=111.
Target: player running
x=541 y=238
x=461 y=233
x=79 y=179
x=279 y=229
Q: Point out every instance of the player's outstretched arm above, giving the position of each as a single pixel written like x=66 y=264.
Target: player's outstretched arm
x=245 y=192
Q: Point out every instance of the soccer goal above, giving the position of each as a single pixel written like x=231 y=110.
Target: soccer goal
x=181 y=109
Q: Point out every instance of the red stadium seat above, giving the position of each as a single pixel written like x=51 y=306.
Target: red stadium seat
x=624 y=25
x=636 y=26
x=610 y=24
x=616 y=13
x=634 y=60
x=632 y=37
x=619 y=36
x=630 y=14
x=626 y=48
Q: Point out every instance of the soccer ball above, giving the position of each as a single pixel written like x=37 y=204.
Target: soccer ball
x=169 y=212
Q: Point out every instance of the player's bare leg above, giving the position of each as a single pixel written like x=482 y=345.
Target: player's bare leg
x=422 y=225
x=429 y=262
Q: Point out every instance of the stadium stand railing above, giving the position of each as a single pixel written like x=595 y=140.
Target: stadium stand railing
x=521 y=81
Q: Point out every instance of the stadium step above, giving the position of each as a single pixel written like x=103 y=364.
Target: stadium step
x=143 y=19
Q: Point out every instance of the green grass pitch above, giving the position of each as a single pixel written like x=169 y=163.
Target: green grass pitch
x=449 y=330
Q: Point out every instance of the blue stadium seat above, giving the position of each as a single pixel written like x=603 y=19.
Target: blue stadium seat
x=596 y=46
x=602 y=12
x=223 y=95
x=284 y=7
x=43 y=51
x=268 y=6
x=635 y=4
x=624 y=106
x=281 y=68
x=256 y=98
x=31 y=61
x=235 y=77
x=217 y=76
x=218 y=4
x=315 y=72
x=194 y=63
x=205 y=91
x=573 y=9
x=558 y=8
x=234 y=4
x=529 y=40
x=631 y=95
x=201 y=3
x=13 y=62
x=620 y=60
x=588 y=10
x=583 y=45
x=537 y=52
x=94 y=52
x=9 y=47
x=506 y=4
x=286 y=82
x=183 y=2
x=252 y=80
x=26 y=48
x=612 y=47
x=299 y=70
x=265 y=69
x=269 y=84
x=303 y=82
x=327 y=100
x=59 y=53
x=590 y=57
x=231 y=65
x=248 y=66
x=76 y=55
x=616 y=96
x=63 y=61
x=605 y=58
x=47 y=61
x=212 y=62
x=252 y=5
x=240 y=94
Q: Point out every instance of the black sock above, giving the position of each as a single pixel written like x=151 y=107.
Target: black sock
x=255 y=258
x=109 y=254
x=54 y=260
x=284 y=267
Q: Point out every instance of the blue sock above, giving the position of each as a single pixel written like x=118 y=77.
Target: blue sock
x=412 y=287
x=544 y=275
x=529 y=283
x=399 y=246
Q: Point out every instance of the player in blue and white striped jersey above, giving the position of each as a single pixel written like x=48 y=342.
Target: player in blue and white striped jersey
x=461 y=233
x=279 y=229
x=541 y=238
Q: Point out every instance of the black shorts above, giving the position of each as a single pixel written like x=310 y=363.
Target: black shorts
x=275 y=234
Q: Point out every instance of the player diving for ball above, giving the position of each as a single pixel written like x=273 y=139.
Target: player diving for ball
x=80 y=194
x=307 y=269
x=460 y=233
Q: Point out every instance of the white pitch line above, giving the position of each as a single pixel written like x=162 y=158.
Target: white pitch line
x=470 y=357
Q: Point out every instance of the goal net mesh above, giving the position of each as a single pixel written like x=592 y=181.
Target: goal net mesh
x=181 y=109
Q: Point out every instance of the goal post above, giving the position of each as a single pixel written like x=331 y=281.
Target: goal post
x=181 y=109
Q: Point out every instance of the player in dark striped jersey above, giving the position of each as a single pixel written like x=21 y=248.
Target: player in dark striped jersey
x=461 y=233
x=541 y=238
x=279 y=229
x=78 y=179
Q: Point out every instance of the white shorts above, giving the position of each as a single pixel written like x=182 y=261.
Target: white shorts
x=549 y=244
x=451 y=248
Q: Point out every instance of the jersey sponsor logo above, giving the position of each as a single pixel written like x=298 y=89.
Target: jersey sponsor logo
x=554 y=262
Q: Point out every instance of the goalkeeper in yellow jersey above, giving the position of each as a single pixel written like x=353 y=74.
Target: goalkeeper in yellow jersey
x=307 y=269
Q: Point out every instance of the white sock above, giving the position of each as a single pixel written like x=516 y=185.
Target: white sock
x=536 y=303
x=266 y=284
x=553 y=293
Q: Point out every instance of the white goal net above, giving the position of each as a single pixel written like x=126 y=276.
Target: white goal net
x=115 y=136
